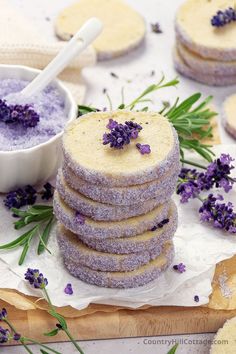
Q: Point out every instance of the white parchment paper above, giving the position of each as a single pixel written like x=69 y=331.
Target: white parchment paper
x=197 y=245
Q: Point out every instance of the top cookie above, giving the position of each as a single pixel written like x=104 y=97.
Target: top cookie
x=86 y=155
x=194 y=29
x=124 y=28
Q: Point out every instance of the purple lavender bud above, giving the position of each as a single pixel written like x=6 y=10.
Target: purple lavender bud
x=160 y=225
x=17 y=336
x=48 y=191
x=196 y=298
x=4 y=335
x=181 y=268
x=144 y=149
x=36 y=279
x=222 y=18
x=80 y=218
x=219 y=215
x=68 y=289
x=112 y=124
x=20 y=197
x=3 y=314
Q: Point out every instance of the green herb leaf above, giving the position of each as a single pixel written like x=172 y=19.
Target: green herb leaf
x=60 y=318
x=43 y=351
x=19 y=241
x=85 y=109
x=52 y=333
x=27 y=244
x=173 y=349
x=45 y=237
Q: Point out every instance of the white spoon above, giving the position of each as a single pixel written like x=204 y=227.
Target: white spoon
x=85 y=36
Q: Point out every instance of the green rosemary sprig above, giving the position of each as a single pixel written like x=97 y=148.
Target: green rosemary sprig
x=191 y=117
x=41 y=216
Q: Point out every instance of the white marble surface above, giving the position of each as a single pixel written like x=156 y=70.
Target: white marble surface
x=155 y=54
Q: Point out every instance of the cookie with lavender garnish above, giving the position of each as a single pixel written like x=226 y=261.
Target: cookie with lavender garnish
x=110 y=157
x=105 y=212
x=229 y=115
x=107 y=229
x=149 y=240
x=130 y=279
x=208 y=28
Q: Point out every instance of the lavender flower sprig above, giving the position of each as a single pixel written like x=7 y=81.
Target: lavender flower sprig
x=217 y=174
x=22 y=115
x=6 y=335
x=223 y=18
x=37 y=280
x=120 y=134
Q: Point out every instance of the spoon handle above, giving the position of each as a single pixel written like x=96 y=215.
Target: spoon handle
x=86 y=35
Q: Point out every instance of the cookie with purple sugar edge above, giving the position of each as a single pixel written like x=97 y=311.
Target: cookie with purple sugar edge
x=72 y=248
x=161 y=188
x=204 y=65
x=107 y=229
x=94 y=162
x=145 y=241
x=210 y=80
x=131 y=279
x=193 y=29
x=105 y=212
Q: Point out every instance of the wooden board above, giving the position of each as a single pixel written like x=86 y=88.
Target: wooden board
x=123 y=323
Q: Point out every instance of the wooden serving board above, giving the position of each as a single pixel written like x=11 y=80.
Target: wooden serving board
x=122 y=323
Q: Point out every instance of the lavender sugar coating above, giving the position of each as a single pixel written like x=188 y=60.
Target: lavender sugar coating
x=72 y=248
x=104 y=229
x=101 y=211
x=211 y=80
x=50 y=106
x=146 y=241
x=161 y=188
x=151 y=174
x=132 y=279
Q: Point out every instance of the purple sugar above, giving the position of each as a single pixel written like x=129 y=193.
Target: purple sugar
x=50 y=106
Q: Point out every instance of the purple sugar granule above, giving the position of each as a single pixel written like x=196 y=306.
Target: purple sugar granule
x=50 y=106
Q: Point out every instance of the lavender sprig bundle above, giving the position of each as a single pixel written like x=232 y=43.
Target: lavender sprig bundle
x=191 y=183
x=41 y=216
x=23 y=115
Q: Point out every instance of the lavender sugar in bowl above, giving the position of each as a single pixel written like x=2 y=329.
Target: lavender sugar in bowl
x=32 y=154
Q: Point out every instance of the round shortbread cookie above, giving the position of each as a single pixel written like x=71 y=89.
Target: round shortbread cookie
x=146 y=241
x=194 y=29
x=211 y=80
x=161 y=188
x=101 y=211
x=204 y=65
x=130 y=279
x=124 y=29
x=107 y=229
x=229 y=115
x=94 y=162
x=72 y=248
x=225 y=339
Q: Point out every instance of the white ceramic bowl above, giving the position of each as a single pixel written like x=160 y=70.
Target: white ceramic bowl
x=39 y=163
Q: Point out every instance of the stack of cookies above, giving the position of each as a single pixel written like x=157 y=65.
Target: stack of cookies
x=204 y=52
x=115 y=216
